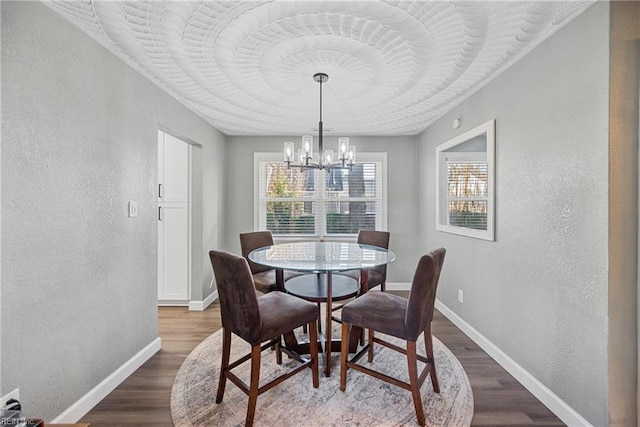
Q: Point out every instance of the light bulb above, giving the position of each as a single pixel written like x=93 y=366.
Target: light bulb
x=343 y=147
x=288 y=151
x=328 y=156
x=307 y=146
x=352 y=155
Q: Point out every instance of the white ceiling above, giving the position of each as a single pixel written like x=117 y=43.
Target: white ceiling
x=246 y=67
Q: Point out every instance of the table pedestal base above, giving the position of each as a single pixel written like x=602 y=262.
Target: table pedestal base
x=324 y=288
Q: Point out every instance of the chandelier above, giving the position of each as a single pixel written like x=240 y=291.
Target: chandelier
x=346 y=155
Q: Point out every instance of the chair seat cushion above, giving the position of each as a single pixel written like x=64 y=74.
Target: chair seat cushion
x=280 y=313
x=380 y=311
x=375 y=277
x=265 y=281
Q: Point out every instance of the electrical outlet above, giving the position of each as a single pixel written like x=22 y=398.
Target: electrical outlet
x=15 y=394
x=133 y=209
x=460 y=296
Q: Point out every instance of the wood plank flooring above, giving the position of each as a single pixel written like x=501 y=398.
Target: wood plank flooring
x=143 y=399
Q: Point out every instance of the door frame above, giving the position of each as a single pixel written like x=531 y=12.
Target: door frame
x=194 y=212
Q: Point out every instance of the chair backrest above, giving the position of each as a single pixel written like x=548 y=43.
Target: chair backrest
x=376 y=238
x=254 y=240
x=422 y=297
x=238 y=301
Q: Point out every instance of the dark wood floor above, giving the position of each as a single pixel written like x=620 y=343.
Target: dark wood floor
x=143 y=399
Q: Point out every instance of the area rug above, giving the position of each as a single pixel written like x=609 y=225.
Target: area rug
x=366 y=402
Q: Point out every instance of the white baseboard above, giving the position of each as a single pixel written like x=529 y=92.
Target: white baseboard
x=398 y=286
x=556 y=405
x=79 y=409
x=202 y=305
x=172 y=303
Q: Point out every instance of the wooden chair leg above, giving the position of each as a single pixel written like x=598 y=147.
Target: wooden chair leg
x=428 y=345
x=383 y=286
x=313 y=342
x=363 y=289
x=344 y=353
x=278 y=351
x=224 y=366
x=370 y=352
x=254 y=383
x=412 y=362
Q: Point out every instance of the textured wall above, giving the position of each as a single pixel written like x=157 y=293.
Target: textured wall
x=402 y=194
x=79 y=132
x=539 y=292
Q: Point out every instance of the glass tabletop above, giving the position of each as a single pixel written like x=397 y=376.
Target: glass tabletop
x=321 y=256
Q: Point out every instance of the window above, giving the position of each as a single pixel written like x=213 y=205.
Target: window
x=339 y=202
x=465 y=183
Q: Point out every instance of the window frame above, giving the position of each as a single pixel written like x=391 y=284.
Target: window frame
x=259 y=223
x=442 y=150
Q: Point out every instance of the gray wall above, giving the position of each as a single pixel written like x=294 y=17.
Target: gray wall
x=78 y=278
x=402 y=194
x=79 y=285
x=539 y=292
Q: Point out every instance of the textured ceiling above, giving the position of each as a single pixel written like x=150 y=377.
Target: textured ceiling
x=247 y=67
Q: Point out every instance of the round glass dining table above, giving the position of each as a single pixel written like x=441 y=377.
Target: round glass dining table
x=323 y=258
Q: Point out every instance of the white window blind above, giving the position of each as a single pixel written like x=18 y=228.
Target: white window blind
x=466 y=194
x=339 y=202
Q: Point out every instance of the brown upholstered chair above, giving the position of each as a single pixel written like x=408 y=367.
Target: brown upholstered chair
x=377 y=275
x=405 y=318
x=266 y=279
x=257 y=320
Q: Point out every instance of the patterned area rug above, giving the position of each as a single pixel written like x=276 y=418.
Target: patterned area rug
x=366 y=402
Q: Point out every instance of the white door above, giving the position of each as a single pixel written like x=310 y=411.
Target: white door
x=173 y=220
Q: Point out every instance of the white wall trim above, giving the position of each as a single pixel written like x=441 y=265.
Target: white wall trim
x=556 y=405
x=398 y=286
x=79 y=409
x=202 y=305
x=172 y=303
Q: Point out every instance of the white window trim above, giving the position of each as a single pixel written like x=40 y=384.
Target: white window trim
x=487 y=128
x=381 y=223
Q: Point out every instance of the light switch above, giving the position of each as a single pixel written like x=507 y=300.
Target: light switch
x=133 y=209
